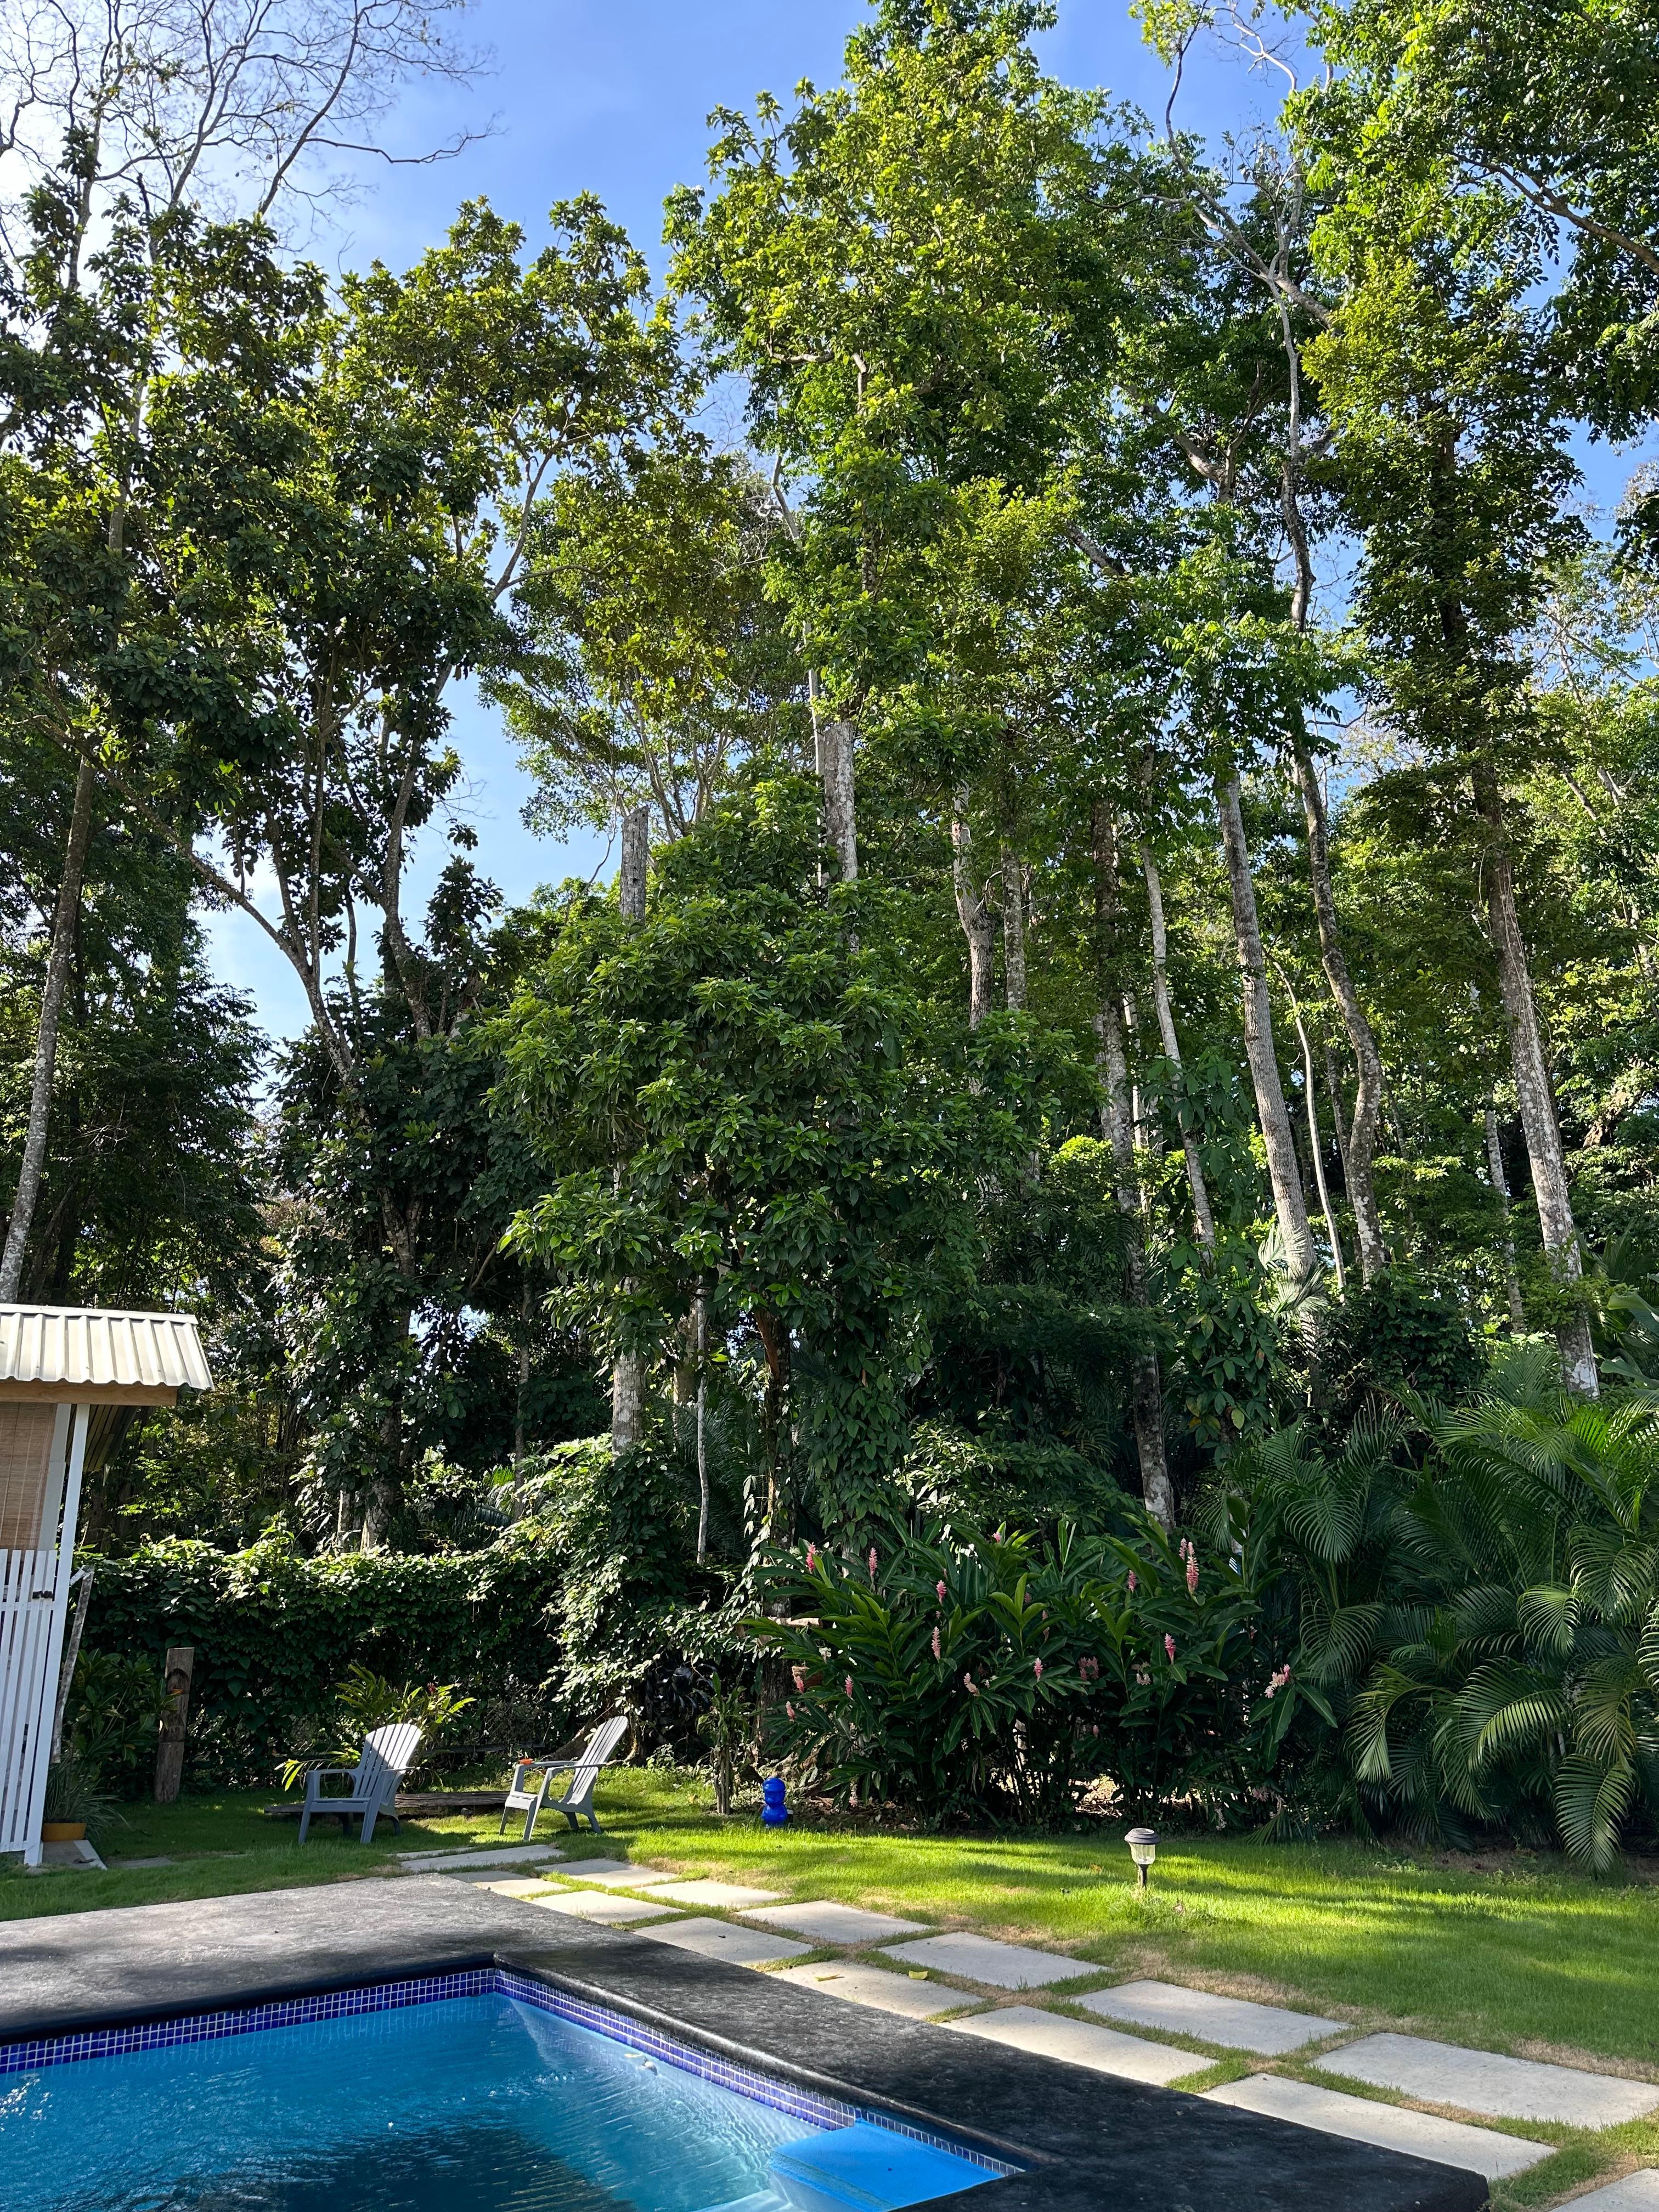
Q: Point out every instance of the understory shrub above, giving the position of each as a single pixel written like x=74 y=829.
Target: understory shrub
x=274 y=1633
x=958 y=1672
x=590 y=1602
x=1480 y=1612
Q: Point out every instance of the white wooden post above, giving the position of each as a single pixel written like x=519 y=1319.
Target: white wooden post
x=41 y=1694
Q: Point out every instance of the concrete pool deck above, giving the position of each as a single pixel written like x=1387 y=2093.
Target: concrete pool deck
x=1087 y=2138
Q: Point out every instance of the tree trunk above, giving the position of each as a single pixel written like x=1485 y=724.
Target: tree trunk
x=703 y=1422
x=1013 y=930
x=1500 y=1183
x=975 y=916
x=1532 y=1087
x=835 y=747
x=65 y=921
x=1289 y=1207
x=1315 y=1154
x=774 y=1343
x=1333 y=1084
x=635 y=862
x=1360 y=1149
x=1146 y=1390
x=626 y=1401
x=1203 y=1219
x=628 y=1374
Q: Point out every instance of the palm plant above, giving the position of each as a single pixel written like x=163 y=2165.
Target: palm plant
x=1532 y=1681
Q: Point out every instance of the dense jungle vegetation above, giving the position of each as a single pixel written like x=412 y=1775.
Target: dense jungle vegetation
x=1101 y=1146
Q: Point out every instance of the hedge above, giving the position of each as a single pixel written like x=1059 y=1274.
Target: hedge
x=274 y=1632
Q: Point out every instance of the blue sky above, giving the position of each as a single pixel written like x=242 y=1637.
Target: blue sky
x=611 y=96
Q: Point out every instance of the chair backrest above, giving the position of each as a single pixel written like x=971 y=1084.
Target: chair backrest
x=595 y=1752
x=388 y=1754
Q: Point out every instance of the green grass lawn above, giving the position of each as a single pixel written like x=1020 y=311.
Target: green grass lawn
x=1527 y=1958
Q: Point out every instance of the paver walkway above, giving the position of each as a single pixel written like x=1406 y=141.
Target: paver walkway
x=829 y=1922
x=1636 y=2192
x=1486 y=2081
x=614 y=1873
x=500 y=1855
x=599 y=1904
x=981 y=1959
x=724 y=1939
x=730 y=1896
x=1452 y=2142
x=1233 y=2022
x=1051 y=2035
x=857 y=1983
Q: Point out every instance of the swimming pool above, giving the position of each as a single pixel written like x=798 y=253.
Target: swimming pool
x=481 y=2092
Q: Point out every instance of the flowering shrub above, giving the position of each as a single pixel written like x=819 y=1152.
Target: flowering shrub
x=955 y=1672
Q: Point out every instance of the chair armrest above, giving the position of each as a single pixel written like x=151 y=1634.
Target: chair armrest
x=314 y=1779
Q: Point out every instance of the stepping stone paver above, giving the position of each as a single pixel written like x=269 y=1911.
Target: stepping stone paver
x=828 y=1923
x=599 y=1904
x=857 y=1983
x=520 y=1886
x=732 y=1896
x=1234 y=2022
x=1636 y=2192
x=981 y=1959
x=1050 y=2035
x=1486 y=2081
x=1450 y=2142
x=724 y=1939
x=614 y=1873
x=502 y=1854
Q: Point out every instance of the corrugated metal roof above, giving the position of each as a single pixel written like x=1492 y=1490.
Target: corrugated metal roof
x=91 y=1347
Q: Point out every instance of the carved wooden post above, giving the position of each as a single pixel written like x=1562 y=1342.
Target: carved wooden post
x=170 y=1751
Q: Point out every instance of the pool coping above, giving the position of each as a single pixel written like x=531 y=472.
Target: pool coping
x=1084 y=2140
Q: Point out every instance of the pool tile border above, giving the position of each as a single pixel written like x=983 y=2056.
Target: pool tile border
x=32 y=2055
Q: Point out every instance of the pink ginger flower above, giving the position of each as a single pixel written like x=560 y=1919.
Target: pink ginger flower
x=789 y=1709
x=811 y=1558
x=936 y=1650
x=1037 y=1668
x=1192 y=1571
x=940 y=1587
x=968 y=1684
x=1133 y=1584
x=799 y=1674
x=1169 y=1645
x=1278 y=1681
x=873 y=1563
x=849 y=1685
x=1089 y=1669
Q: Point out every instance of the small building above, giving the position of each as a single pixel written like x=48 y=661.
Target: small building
x=71 y=1380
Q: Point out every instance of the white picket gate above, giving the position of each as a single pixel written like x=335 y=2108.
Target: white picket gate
x=34 y=1600
x=28 y=1687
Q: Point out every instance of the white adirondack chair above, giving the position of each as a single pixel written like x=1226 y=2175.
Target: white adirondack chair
x=387 y=1755
x=529 y=1795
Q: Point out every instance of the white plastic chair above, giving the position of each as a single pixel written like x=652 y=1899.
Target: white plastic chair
x=576 y=1804
x=387 y=1755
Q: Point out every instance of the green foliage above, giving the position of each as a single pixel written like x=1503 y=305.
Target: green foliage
x=115 y=1707
x=1486 y=1626
x=1392 y=1337
x=969 y=1674
x=275 y=1634
x=727 y=1726
x=365 y=1701
x=742 y=1091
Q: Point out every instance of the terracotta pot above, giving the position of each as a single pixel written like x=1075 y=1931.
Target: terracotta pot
x=62 y=1832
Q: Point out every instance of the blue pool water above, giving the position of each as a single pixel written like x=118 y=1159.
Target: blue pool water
x=469 y=2104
